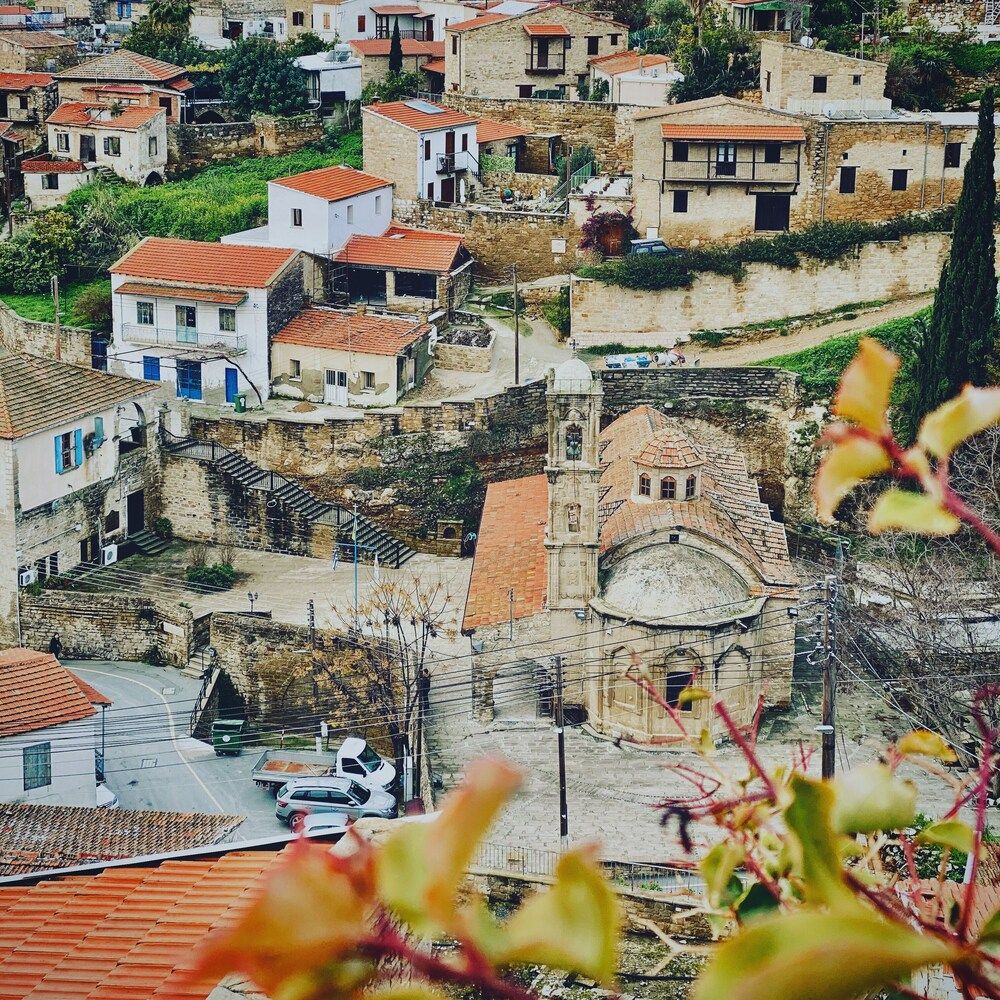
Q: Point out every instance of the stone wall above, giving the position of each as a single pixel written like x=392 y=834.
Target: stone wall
x=604 y=314
x=107 y=627
x=527 y=185
x=464 y=358
x=33 y=337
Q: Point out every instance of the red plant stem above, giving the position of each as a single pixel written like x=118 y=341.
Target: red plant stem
x=985 y=772
x=747 y=750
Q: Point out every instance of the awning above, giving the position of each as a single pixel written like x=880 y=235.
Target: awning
x=734 y=133
x=547 y=30
x=190 y=294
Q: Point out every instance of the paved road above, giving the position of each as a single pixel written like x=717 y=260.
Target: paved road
x=151 y=762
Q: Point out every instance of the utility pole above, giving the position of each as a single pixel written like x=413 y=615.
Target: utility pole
x=517 y=330
x=311 y=610
x=561 y=742
x=828 y=729
x=55 y=301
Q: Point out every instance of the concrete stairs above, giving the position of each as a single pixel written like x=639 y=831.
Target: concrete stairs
x=148 y=543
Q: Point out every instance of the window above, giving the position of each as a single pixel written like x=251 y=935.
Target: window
x=186 y=324
x=573 y=517
x=361 y=22
x=574 y=443
x=368 y=381
x=454 y=45
x=415 y=283
x=378 y=204
x=326 y=22
x=62 y=142
x=899 y=180
x=427 y=149
x=69 y=451
x=680 y=152
x=819 y=84
x=98 y=431
x=37 y=761
x=645 y=485
x=113 y=520
x=677 y=681
x=48 y=565
x=593 y=45
x=614 y=39
x=298 y=18
x=50 y=182
x=294 y=370
x=22 y=103
x=112 y=146
x=465 y=141
x=227 y=320
x=144 y=313
x=680 y=201
x=772 y=152
x=297 y=218
x=668 y=488
x=154 y=146
x=525 y=90
x=848 y=180
x=430 y=191
x=856 y=79
x=151 y=368
x=690 y=487
x=952 y=154
x=350 y=214
x=188 y=379
x=767 y=81
x=725 y=159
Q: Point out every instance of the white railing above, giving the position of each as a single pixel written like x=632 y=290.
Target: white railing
x=194 y=340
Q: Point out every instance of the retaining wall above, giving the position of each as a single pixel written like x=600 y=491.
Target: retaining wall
x=35 y=337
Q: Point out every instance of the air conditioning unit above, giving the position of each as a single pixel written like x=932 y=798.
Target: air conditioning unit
x=109 y=555
x=27 y=577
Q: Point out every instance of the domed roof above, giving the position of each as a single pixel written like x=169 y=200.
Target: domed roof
x=571 y=373
x=670 y=449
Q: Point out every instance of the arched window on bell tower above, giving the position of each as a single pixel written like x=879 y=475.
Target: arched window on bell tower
x=574 y=443
x=668 y=488
x=691 y=487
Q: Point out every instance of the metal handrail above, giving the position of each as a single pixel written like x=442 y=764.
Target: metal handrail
x=140 y=333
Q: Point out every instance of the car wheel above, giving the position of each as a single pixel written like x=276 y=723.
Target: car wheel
x=296 y=822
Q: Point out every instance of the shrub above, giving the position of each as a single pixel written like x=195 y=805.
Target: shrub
x=92 y=306
x=220 y=576
x=34 y=254
x=163 y=527
x=258 y=75
x=556 y=311
x=505 y=300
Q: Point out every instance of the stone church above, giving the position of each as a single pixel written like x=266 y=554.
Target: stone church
x=637 y=538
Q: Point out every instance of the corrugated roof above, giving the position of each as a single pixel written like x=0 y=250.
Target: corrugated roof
x=182 y=292
x=24 y=81
x=36 y=393
x=616 y=63
x=411 y=47
x=35 y=838
x=477 y=22
x=349 y=331
x=510 y=553
x=333 y=183
x=411 y=115
x=488 y=130
x=404 y=249
x=44 y=165
x=547 y=30
x=213 y=264
x=8 y=131
x=122 y=65
x=38 y=39
x=37 y=691
x=98 y=115
x=735 y=133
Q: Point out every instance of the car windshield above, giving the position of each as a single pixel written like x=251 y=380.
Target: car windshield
x=360 y=792
x=282 y=791
x=370 y=760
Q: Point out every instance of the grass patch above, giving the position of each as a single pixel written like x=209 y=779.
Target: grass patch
x=602 y=350
x=41 y=308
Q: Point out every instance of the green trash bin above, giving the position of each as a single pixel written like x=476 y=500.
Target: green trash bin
x=240 y=402
x=227 y=737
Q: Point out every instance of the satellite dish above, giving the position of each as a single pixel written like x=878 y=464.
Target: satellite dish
x=807 y=41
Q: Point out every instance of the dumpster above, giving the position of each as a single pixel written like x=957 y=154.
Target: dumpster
x=227 y=736
x=240 y=402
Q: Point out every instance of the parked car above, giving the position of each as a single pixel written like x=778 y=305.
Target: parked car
x=326 y=824
x=309 y=796
x=106 y=799
x=654 y=246
x=353 y=759
x=641 y=360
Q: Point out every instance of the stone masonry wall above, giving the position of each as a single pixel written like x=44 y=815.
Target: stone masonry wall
x=527 y=185
x=33 y=337
x=463 y=358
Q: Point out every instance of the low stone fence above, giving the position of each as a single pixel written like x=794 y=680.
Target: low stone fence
x=36 y=337
x=454 y=355
x=526 y=185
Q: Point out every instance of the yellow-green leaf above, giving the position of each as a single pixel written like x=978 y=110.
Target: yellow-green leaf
x=705 y=742
x=690 y=695
x=927 y=744
x=991 y=929
x=848 y=463
x=865 y=386
x=755 y=902
x=971 y=411
x=870 y=798
x=899 y=510
x=572 y=926
x=718 y=867
x=817 y=956
x=813 y=845
x=949 y=833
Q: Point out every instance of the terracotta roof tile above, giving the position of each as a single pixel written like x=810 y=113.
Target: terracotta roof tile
x=24 y=81
x=510 y=553
x=214 y=264
x=404 y=248
x=331 y=330
x=735 y=133
x=97 y=115
x=37 y=691
x=38 y=39
x=670 y=447
x=46 y=165
x=333 y=183
x=397 y=8
x=8 y=131
x=615 y=63
x=411 y=114
x=122 y=65
x=547 y=30
x=488 y=130
x=411 y=47
x=181 y=292
x=433 y=66
x=477 y=22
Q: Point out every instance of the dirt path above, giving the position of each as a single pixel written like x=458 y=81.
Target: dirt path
x=805 y=336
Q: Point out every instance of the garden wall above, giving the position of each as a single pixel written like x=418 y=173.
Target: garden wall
x=35 y=337
x=603 y=313
x=528 y=185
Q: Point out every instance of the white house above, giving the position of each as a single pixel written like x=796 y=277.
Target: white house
x=333 y=77
x=352 y=20
x=199 y=316
x=48 y=180
x=634 y=78
x=320 y=210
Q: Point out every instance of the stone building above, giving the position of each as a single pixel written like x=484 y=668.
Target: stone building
x=787 y=20
x=27 y=98
x=36 y=51
x=544 y=51
x=636 y=538
x=374 y=56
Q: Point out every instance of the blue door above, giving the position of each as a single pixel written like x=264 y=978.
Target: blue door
x=188 y=379
x=232 y=384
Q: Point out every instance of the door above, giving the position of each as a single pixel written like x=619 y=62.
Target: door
x=542 y=53
x=449 y=144
x=448 y=190
x=335 y=387
x=186 y=324
x=725 y=159
x=232 y=384
x=135 y=512
x=188 y=379
x=88 y=148
x=772 y=212
x=3 y=105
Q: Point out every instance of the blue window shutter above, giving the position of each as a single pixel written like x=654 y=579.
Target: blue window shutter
x=59 y=465
x=151 y=368
x=98 y=430
x=78 y=446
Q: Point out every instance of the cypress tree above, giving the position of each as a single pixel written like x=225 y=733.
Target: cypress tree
x=395 y=51
x=957 y=345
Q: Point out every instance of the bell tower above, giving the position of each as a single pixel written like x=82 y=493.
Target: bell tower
x=573 y=469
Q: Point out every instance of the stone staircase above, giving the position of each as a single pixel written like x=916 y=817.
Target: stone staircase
x=148 y=543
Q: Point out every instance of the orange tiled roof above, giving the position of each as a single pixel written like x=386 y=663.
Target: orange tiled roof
x=127 y=119
x=348 y=331
x=213 y=264
x=16 y=10
x=8 y=131
x=35 y=837
x=615 y=63
x=45 y=165
x=175 y=292
x=735 y=133
x=410 y=115
x=124 y=934
x=433 y=66
x=672 y=448
x=404 y=248
x=510 y=553
x=397 y=8
x=488 y=130
x=477 y=22
x=547 y=30
x=38 y=39
x=411 y=47
x=24 y=81
x=122 y=65
x=333 y=183
x=37 y=691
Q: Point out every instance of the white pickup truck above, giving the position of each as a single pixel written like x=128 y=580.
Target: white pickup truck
x=353 y=759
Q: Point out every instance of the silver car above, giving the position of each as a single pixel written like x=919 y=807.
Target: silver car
x=305 y=797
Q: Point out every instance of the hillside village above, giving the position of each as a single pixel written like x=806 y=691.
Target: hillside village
x=383 y=388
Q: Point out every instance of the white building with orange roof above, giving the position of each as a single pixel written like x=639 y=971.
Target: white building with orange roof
x=636 y=538
x=636 y=78
x=199 y=317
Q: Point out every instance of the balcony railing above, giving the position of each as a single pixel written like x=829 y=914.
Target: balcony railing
x=193 y=340
x=455 y=163
x=420 y=34
x=555 y=62
x=742 y=171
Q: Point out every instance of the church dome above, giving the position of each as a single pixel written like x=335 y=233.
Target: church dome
x=670 y=449
x=571 y=374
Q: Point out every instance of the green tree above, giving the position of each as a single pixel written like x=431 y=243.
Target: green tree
x=171 y=44
x=958 y=343
x=171 y=14
x=727 y=60
x=666 y=18
x=634 y=13
x=34 y=254
x=918 y=76
x=258 y=75
x=395 y=51
x=306 y=44
x=393 y=87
